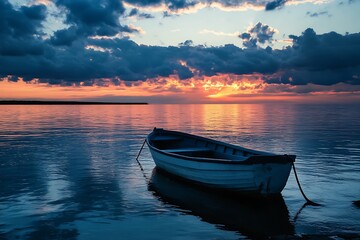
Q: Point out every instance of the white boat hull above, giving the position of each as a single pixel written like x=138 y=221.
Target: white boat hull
x=265 y=179
x=219 y=165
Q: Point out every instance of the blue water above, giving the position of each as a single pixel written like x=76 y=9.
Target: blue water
x=69 y=172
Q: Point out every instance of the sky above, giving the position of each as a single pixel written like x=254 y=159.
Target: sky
x=180 y=51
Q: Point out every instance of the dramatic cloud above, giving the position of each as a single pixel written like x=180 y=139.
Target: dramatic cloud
x=90 y=51
x=274 y=4
x=20 y=30
x=89 y=18
x=180 y=5
x=171 y=4
x=137 y=13
x=186 y=43
x=260 y=33
x=321 y=59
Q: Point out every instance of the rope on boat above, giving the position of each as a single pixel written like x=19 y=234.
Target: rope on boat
x=137 y=160
x=308 y=201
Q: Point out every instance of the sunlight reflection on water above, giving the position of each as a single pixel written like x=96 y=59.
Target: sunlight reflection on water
x=70 y=171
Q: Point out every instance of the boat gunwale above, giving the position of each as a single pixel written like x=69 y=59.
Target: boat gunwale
x=255 y=159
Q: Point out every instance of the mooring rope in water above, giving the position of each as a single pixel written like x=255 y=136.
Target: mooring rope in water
x=308 y=201
x=137 y=160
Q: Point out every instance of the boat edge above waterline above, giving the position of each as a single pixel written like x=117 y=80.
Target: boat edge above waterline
x=256 y=177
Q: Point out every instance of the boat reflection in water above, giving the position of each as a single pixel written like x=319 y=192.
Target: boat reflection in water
x=252 y=217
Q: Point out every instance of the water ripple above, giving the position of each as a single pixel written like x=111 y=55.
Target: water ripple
x=69 y=172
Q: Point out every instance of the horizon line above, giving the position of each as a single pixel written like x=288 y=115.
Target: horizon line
x=55 y=102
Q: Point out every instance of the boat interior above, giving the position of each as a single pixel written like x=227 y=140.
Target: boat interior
x=198 y=147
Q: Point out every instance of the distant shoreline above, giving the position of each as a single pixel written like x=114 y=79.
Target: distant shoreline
x=19 y=102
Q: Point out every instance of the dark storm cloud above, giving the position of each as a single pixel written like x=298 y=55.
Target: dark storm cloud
x=326 y=51
x=260 y=33
x=186 y=43
x=145 y=2
x=275 y=4
x=174 y=5
x=90 y=17
x=321 y=59
x=20 y=30
x=180 y=4
x=64 y=36
x=92 y=14
x=35 y=12
x=135 y=12
x=171 y=4
x=139 y=62
x=70 y=56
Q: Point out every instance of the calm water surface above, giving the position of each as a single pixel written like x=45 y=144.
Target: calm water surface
x=69 y=172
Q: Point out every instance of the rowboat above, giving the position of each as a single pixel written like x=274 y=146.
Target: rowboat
x=217 y=164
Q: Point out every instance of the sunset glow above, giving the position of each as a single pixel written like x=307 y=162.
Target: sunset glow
x=201 y=51
x=198 y=90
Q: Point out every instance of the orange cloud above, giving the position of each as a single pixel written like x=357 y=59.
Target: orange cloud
x=214 y=89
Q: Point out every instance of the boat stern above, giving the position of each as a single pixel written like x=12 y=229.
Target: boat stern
x=272 y=178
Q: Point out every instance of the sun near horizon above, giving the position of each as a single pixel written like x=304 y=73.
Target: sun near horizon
x=175 y=91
